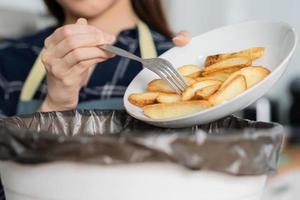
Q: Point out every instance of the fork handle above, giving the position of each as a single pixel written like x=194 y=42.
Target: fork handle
x=120 y=52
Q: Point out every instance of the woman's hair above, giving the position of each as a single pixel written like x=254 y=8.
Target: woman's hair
x=149 y=11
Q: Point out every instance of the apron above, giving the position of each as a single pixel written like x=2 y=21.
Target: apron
x=27 y=104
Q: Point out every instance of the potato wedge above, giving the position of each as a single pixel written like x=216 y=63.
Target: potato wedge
x=164 y=111
x=232 y=89
x=190 y=80
x=239 y=62
x=253 y=75
x=253 y=53
x=227 y=71
x=158 y=85
x=190 y=91
x=143 y=99
x=206 y=92
x=230 y=78
x=168 y=98
x=220 y=76
x=192 y=71
x=195 y=74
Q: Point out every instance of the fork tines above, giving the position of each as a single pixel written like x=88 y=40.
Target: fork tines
x=166 y=71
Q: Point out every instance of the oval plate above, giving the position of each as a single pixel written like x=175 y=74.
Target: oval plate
x=279 y=39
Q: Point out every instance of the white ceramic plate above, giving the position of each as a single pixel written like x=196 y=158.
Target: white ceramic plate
x=279 y=39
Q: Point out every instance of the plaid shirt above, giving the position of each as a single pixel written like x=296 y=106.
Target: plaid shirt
x=110 y=78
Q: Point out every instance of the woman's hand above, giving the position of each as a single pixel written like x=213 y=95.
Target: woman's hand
x=69 y=55
x=182 y=38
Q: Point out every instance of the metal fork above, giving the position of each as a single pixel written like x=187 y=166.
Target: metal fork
x=159 y=66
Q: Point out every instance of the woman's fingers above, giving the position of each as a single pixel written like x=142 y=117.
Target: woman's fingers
x=76 y=76
x=67 y=31
x=82 y=67
x=182 y=38
x=79 y=41
x=60 y=67
x=81 y=27
x=85 y=53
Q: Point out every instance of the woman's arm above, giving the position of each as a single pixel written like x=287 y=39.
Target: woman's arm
x=70 y=53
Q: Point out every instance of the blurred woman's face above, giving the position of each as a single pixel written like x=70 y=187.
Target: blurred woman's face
x=86 y=8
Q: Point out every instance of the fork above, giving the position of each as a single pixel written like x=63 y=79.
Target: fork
x=163 y=68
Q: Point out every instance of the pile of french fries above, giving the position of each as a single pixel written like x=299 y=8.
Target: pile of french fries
x=223 y=77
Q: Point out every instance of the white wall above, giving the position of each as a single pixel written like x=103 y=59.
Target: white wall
x=20 y=17
x=199 y=16
x=32 y=6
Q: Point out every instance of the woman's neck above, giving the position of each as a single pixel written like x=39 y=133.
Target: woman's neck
x=118 y=17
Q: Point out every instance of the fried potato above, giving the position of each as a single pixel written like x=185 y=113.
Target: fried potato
x=164 y=111
x=158 y=85
x=143 y=99
x=253 y=53
x=206 y=92
x=190 y=91
x=190 y=80
x=168 y=98
x=227 y=71
x=195 y=74
x=230 y=78
x=219 y=76
x=228 y=64
x=192 y=71
x=253 y=75
x=229 y=91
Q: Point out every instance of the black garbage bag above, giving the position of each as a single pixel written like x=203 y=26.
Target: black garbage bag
x=231 y=145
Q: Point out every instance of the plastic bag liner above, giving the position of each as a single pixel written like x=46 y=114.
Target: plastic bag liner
x=231 y=145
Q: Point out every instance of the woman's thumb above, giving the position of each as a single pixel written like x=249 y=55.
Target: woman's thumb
x=82 y=21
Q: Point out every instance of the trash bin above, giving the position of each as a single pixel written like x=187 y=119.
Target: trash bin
x=109 y=155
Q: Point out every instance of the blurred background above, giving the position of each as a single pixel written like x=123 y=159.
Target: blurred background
x=282 y=104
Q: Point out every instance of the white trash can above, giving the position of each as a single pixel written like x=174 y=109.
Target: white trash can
x=103 y=155
x=148 y=181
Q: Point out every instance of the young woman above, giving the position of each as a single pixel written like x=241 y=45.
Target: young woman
x=62 y=67
x=72 y=71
